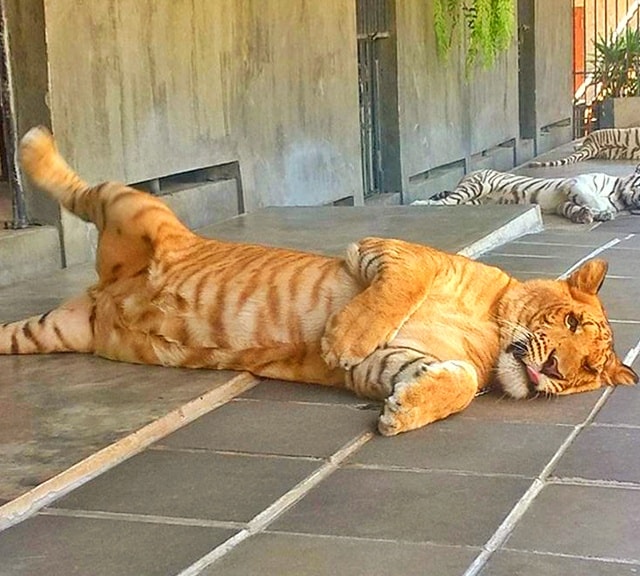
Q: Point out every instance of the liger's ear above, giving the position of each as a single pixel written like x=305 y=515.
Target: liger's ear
x=619 y=373
x=589 y=277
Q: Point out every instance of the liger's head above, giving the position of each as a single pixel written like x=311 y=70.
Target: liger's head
x=556 y=339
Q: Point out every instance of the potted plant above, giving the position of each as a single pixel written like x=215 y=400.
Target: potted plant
x=616 y=74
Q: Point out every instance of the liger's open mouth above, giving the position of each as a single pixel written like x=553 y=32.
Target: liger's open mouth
x=549 y=369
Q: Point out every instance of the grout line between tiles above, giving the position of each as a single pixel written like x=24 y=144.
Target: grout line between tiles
x=595 y=252
x=435 y=471
x=354 y=538
x=243 y=453
x=269 y=514
x=369 y=405
x=518 y=511
x=49 y=491
x=575 y=556
x=565 y=481
x=141 y=518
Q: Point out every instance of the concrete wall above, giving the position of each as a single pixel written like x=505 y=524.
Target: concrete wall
x=141 y=89
x=554 y=59
x=546 y=85
x=448 y=123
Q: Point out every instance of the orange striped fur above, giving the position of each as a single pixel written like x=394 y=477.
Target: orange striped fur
x=407 y=324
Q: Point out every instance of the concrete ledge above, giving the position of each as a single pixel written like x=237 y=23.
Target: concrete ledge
x=28 y=253
x=329 y=229
x=528 y=222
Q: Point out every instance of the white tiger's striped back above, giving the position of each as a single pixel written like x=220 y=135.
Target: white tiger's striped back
x=581 y=199
x=606 y=144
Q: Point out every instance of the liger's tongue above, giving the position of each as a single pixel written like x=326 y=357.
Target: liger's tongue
x=534 y=375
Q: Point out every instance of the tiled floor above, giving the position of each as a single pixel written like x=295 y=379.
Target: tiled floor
x=291 y=480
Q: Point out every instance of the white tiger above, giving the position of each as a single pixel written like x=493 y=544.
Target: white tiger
x=607 y=144
x=581 y=199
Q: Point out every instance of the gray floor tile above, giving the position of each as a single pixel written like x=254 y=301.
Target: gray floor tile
x=469 y=445
x=622 y=263
x=625 y=336
x=507 y=563
x=622 y=407
x=626 y=223
x=543 y=266
x=553 y=410
x=602 y=453
x=24 y=299
x=267 y=427
x=302 y=555
x=543 y=249
x=191 y=485
x=57 y=546
x=582 y=521
x=300 y=392
x=411 y=506
x=557 y=239
x=632 y=228
x=61 y=408
x=621 y=297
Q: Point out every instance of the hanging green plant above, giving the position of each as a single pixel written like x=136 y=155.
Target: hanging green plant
x=487 y=31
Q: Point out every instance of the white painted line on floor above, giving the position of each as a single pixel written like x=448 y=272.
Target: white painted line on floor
x=595 y=252
x=44 y=494
x=631 y=356
x=505 y=529
x=269 y=514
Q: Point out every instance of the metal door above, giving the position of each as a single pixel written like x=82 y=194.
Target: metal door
x=377 y=71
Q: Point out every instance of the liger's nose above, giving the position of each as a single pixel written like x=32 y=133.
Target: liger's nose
x=550 y=367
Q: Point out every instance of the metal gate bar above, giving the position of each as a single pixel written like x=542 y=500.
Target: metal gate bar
x=595 y=20
x=372 y=26
x=7 y=110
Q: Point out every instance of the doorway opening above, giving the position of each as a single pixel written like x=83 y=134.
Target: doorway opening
x=378 y=88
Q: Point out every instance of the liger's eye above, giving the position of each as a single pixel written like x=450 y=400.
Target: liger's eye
x=572 y=322
x=586 y=366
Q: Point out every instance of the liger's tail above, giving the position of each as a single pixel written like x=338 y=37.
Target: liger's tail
x=109 y=203
x=47 y=169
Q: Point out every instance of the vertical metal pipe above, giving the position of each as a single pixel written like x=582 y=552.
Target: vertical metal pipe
x=7 y=108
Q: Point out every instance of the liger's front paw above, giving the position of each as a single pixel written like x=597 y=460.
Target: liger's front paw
x=397 y=413
x=348 y=341
x=433 y=392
